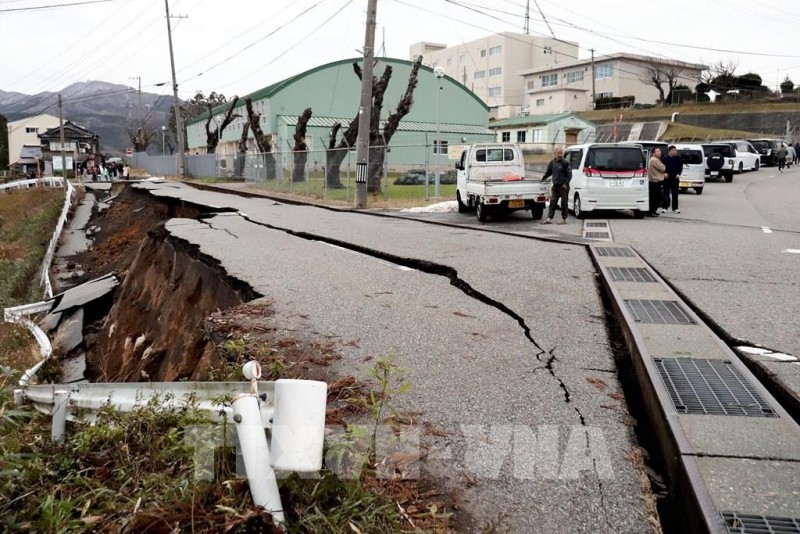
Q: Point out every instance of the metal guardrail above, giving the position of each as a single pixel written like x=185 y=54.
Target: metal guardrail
x=32 y=182
x=19 y=315
x=51 y=248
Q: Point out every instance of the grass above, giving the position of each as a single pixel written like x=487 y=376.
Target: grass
x=690 y=109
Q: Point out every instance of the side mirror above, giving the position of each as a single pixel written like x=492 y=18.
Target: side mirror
x=458 y=166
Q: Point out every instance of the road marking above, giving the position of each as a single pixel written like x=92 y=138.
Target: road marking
x=771 y=176
x=793 y=250
x=766 y=229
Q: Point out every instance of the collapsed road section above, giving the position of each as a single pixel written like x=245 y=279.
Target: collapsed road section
x=513 y=383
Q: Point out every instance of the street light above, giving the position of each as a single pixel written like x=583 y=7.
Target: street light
x=438 y=71
x=163 y=141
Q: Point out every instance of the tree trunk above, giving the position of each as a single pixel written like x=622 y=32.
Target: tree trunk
x=263 y=142
x=299 y=170
x=241 y=153
x=270 y=166
x=300 y=147
x=333 y=164
x=375 y=170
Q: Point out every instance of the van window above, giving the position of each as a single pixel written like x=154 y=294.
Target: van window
x=723 y=150
x=494 y=154
x=691 y=157
x=615 y=158
x=573 y=157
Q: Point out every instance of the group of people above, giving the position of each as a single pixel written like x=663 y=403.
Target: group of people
x=663 y=175
x=787 y=155
x=113 y=171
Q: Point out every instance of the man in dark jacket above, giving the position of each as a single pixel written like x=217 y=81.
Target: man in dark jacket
x=674 y=168
x=562 y=175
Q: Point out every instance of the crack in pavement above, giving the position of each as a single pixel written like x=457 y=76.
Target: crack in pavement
x=207 y=223
x=445 y=271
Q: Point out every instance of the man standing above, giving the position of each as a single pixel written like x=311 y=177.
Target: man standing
x=780 y=155
x=655 y=181
x=562 y=175
x=797 y=153
x=674 y=167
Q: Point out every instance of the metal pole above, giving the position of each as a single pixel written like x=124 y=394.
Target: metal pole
x=60 y=398
x=178 y=121
x=365 y=111
x=256 y=456
x=594 y=96
x=437 y=144
x=61 y=140
x=427 y=167
x=163 y=142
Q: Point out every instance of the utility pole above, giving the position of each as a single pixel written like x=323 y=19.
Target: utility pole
x=178 y=121
x=528 y=18
x=61 y=128
x=594 y=98
x=365 y=111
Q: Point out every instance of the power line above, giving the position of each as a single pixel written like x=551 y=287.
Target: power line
x=52 y=6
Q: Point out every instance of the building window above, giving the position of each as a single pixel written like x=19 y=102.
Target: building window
x=549 y=80
x=462 y=59
x=479 y=74
x=439 y=146
x=539 y=102
x=531 y=85
x=521 y=136
x=604 y=71
x=449 y=61
x=605 y=95
x=495 y=50
x=548 y=50
x=31 y=130
x=483 y=53
x=495 y=71
x=536 y=136
x=495 y=91
x=505 y=137
x=575 y=76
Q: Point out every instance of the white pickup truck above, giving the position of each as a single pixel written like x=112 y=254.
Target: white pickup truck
x=491 y=179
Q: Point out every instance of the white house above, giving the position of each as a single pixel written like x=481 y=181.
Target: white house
x=25 y=132
x=568 y=86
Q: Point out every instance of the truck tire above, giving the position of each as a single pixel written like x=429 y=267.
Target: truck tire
x=729 y=177
x=462 y=208
x=698 y=190
x=537 y=211
x=480 y=211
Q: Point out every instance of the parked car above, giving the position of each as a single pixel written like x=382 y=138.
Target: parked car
x=608 y=176
x=649 y=146
x=745 y=156
x=694 y=168
x=766 y=150
x=719 y=161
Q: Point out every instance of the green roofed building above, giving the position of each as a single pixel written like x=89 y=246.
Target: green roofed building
x=541 y=133
x=333 y=92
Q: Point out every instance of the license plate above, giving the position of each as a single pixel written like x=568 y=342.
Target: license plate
x=516 y=203
x=714 y=173
x=684 y=184
x=616 y=183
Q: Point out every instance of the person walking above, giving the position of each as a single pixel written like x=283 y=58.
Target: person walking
x=797 y=153
x=780 y=155
x=655 y=181
x=673 y=168
x=562 y=175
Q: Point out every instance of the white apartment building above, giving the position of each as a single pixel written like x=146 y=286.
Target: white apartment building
x=568 y=86
x=25 y=132
x=490 y=67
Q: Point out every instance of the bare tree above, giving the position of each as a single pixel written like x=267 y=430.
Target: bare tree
x=141 y=137
x=657 y=73
x=300 y=147
x=721 y=77
x=213 y=136
x=241 y=151
x=263 y=142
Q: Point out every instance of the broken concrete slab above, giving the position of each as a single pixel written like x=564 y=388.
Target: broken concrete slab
x=70 y=333
x=50 y=322
x=81 y=295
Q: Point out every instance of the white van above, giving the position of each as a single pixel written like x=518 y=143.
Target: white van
x=608 y=176
x=694 y=168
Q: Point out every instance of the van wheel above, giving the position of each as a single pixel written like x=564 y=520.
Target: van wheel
x=480 y=211
x=639 y=214
x=462 y=208
x=576 y=207
x=537 y=211
x=758 y=165
x=741 y=167
x=698 y=190
x=729 y=178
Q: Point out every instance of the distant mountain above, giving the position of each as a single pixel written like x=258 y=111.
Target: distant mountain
x=104 y=108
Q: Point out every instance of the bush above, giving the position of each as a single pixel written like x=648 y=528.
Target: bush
x=614 y=102
x=417 y=177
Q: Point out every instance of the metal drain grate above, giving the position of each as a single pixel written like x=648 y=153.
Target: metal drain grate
x=596 y=224
x=630 y=274
x=615 y=251
x=597 y=235
x=658 y=312
x=710 y=387
x=737 y=523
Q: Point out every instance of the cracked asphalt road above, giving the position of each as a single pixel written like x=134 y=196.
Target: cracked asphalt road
x=504 y=340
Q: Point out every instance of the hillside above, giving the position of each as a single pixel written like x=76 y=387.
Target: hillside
x=105 y=108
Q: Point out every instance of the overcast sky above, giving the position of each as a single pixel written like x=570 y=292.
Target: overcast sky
x=239 y=46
